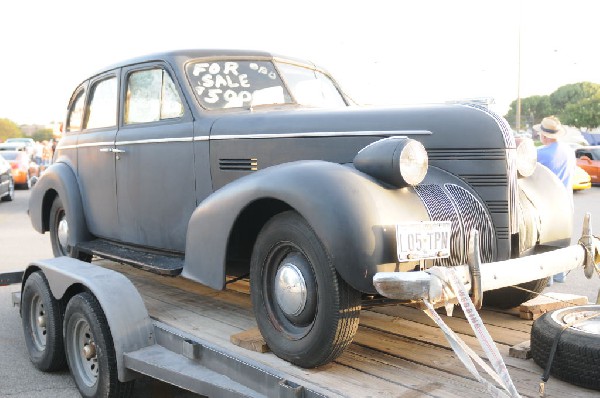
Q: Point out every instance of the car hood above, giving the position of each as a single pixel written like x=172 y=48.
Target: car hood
x=436 y=126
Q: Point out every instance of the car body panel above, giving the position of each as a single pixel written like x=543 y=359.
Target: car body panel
x=591 y=164
x=5 y=177
x=581 y=179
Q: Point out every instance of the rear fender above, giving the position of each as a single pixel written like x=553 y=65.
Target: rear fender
x=353 y=215
x=58 y=180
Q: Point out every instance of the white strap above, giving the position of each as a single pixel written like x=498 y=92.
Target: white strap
x=465 y=353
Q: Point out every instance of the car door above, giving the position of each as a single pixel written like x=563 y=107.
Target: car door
x=95 y=159
x=155 y=163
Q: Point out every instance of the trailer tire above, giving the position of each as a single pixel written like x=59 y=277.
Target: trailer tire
x=510 y=297
x=90 y=350
x=577 y=357
x=41 y=316
x=59 y=230
x=313 y=324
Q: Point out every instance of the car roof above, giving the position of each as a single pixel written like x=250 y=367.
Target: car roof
x=179 y=56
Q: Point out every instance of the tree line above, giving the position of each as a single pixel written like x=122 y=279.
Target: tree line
x=576 y=105
x=9 y=129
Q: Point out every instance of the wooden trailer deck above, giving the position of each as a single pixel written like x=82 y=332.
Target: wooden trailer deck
x=397 y=352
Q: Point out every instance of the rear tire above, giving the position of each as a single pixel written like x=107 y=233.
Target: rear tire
x=509 y=297
x=305 y=311
x=577 y=358
x=90 y=350
x=59 y=232
x=41 y=316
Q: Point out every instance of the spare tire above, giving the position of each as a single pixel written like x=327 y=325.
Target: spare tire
x=577 y=357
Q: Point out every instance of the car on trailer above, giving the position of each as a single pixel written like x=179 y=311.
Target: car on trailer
x=208 y=164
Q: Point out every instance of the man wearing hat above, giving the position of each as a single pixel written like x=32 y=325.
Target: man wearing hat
x=558 y=157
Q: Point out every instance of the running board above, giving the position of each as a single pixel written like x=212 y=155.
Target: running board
x=158 y=263
x=191 y=364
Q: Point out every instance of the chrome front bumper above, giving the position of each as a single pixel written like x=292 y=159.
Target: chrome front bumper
x=477 y=277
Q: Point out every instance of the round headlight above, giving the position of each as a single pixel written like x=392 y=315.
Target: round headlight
x=526 y=157
x=413 y=162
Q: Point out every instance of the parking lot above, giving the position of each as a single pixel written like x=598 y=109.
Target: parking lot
x=20 y=244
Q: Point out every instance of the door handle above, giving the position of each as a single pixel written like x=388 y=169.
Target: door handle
x=113 y=150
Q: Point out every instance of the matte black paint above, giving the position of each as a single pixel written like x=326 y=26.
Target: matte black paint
x=295 y=158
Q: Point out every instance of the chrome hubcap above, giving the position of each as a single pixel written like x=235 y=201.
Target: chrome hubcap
x=290 y=289
x=63 y=233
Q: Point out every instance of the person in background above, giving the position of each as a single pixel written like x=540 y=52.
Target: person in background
x=38 y=152
x=559 y=158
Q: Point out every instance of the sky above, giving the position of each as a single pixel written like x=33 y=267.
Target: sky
x=381 y=52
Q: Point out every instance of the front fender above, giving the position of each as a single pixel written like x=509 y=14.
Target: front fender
x=58 y=180
x=353 y=215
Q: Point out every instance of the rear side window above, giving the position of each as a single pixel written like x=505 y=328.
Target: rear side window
x=151 y=96
x=75 y=117
x=103 y=104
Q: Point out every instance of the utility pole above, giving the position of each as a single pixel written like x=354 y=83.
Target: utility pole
x=518 y=121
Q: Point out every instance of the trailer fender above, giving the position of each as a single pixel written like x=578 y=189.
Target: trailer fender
x=130 y=325
x=58 y=180
x=353 y=215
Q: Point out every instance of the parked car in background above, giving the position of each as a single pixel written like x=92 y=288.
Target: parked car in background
x=588 y=158
x=211 y=163
x=581 y=179
x=13 y=146
x=24 y=171
x=7 y=185
x=28 y=142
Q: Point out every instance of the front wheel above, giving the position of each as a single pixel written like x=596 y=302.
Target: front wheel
x=90 y=350
x=305 y=311
x=509 y=297
x=59 y=233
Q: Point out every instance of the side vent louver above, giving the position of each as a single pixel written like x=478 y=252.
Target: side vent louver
x=239 y=164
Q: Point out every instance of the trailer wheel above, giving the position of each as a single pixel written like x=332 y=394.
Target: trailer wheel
x=90 y=351
x=41 y=316
x=59 y=232
x=577 y=357
x=306 y=313
x=510 y=297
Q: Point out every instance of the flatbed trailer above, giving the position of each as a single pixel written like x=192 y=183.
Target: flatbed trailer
x=398 y=350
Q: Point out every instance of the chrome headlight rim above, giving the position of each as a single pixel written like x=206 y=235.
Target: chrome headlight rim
x=526 y=157
x=413 y=162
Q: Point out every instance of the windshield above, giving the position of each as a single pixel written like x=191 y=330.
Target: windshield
x=233 y=84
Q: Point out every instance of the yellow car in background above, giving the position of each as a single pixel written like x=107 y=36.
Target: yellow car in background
x=581 y=179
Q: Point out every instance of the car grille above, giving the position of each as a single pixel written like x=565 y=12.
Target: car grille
x=453 y=203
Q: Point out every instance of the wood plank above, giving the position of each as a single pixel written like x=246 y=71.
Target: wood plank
x=424 y=380
x=506 y=334
x=251 y=340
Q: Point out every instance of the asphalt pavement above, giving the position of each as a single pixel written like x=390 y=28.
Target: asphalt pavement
x=20 y=244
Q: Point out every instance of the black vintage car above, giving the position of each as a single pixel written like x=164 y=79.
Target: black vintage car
x=209 y=164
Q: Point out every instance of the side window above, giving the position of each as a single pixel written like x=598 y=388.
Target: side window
x=103 y=104
x=75 y=116
x=151 y=96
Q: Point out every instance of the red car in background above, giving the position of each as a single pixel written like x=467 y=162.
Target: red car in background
x=588 y=158
x=23 y=169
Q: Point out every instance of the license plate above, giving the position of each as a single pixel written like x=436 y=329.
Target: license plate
x=423 y=240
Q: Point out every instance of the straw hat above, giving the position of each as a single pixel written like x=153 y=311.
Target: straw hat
x=550 y=127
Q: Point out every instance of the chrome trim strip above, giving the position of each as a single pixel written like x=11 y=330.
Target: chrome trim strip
x=254 y=136
x=321 y=134
x=155 y=141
